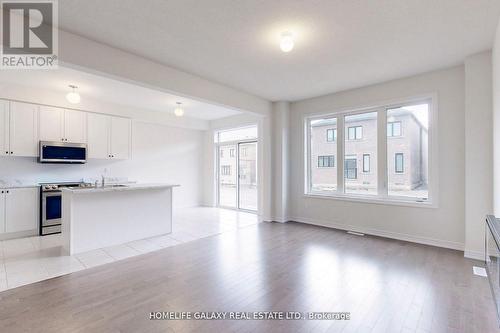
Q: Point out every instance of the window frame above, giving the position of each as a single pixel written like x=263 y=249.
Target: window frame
x=369 y=163
x=355 y=128
x=392 y=129
x=327 y=158
x=334 y=134
x=396 y=170
x=224 y=168
x=346 y=171
x=382 y=197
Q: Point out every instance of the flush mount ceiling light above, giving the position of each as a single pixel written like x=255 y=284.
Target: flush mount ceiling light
x=73 y=97
x=179 y=111
x=286 y=42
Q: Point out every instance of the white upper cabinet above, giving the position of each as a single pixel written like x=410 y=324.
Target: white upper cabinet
x=75 y=126
x=57 y=124
x=23 y=129
x=23 y=125
x=51 y=123
x=120 y=138
x=108 y=137
x=21 y=209
x=2 y=211
x=4 y=128
x=97 y=136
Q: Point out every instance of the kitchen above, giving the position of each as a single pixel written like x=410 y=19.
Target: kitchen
x=105 y=139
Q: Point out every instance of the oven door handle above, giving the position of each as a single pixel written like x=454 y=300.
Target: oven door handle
x=51 y=194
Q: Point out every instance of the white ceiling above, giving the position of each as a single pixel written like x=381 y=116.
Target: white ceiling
x=113 y=91
x=340 y=44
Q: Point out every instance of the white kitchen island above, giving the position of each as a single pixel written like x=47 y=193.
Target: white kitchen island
x=98 y=217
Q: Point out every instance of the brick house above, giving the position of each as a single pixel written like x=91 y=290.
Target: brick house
x=228 y=165
x=406 y=153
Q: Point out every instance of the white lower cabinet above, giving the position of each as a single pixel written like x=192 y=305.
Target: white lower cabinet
x=18 y=209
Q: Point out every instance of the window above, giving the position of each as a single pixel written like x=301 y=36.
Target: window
x=326 y=161
x=393 y=128
x=221 y=153
x=407 y=158
x=356 y=182
x=405 y=162
x=231 y=153
x=350 y=169
x=225 y=170
x=366 y=162
x=399 y=163
x=243 y=152
x=236 y=134
x=323 y=176
x=331 y=135
x=355 y=133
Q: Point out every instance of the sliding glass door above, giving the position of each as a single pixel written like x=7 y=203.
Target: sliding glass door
x=228 y=176
x=237 y=168
x=247 y=189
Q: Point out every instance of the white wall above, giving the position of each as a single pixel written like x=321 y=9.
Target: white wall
x=281 y=160
x=159 y=154
x=442 y=226
x=496 y=122
x=478 y=151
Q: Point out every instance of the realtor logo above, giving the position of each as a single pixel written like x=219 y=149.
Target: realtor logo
x=29 y=34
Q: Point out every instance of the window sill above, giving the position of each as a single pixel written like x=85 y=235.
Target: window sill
x=370 y=200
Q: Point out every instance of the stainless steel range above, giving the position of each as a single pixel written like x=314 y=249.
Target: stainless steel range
x=51 y=206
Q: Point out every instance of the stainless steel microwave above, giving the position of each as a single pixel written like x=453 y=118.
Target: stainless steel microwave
x=62 y=152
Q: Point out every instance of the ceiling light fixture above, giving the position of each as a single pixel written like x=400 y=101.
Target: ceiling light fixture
x=179 y=111
x=73 y=97
x=286 y=43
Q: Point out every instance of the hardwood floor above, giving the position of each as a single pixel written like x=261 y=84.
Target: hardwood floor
x=386 y=285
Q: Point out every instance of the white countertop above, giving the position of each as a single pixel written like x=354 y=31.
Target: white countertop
x=12 y=186
x=16 y=184
x=115 y=188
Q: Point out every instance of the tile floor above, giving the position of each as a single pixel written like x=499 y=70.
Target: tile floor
x=32 y=259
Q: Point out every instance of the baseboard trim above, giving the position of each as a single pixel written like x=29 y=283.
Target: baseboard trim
x=474 y=255
x=280 y=219
x=382 y=233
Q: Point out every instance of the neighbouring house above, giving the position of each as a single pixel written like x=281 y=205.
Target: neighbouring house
x=407 y=156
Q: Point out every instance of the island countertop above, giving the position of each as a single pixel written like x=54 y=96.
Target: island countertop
x=117 y=187
x=99 y=217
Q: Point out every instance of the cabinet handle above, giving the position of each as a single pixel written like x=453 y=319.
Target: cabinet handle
x=7 y=192
x=2 y=191
x=7 y=152
x=11 y=152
